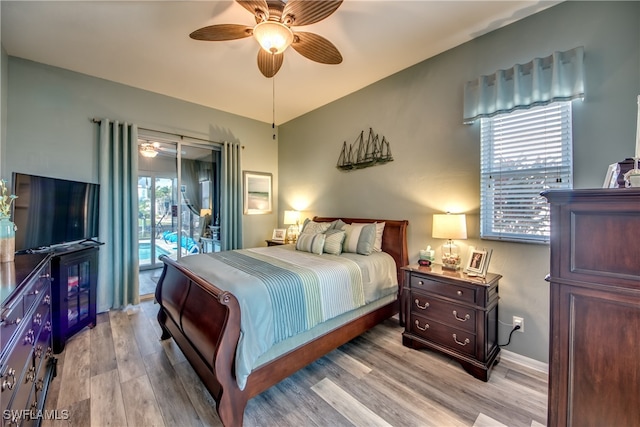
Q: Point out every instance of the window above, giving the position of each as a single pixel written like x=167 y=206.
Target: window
x=523 y=153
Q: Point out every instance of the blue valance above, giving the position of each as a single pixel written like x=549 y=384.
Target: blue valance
x=558 y=77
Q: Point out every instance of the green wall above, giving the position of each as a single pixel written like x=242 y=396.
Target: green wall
x=436 y=157
x=49 y=128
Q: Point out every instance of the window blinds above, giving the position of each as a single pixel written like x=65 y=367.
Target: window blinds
x=522 y=154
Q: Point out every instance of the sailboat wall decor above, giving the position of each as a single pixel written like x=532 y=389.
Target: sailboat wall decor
x=362 y=154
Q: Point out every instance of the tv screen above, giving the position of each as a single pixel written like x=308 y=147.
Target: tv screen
x=52 y=211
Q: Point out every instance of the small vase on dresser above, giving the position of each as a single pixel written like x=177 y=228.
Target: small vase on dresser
x=7 y=239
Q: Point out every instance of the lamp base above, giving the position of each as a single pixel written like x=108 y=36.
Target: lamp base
x=450 y=258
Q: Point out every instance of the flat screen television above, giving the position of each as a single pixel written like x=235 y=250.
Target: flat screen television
x=52 y=211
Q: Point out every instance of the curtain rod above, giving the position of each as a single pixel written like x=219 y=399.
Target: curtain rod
x=98 y=121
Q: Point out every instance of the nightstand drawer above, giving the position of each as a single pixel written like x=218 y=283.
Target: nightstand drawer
x=442 y=311
x=455 y=339
x=459 y=293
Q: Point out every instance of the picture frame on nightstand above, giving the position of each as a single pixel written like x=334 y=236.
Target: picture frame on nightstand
x=279 y=235
x=478 y=261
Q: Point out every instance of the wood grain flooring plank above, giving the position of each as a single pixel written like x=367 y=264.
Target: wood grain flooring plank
x=74 y=381
x=128 y=357
x=77 y=414
x=148 y=342
x=199 y=396
x=107 y=406
x=103 y=355
x=348 y=363
x=140 y=403
x=350 y=408
x=171 y=396
x=173 y=352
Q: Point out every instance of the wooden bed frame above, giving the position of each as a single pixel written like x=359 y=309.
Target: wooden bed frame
x=205 y=323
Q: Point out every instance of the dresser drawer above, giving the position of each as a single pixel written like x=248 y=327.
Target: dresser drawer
x=436 y=309
x=456 y=292
x=454 y=338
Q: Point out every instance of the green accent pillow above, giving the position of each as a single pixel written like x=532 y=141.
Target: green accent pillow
x=313 y=243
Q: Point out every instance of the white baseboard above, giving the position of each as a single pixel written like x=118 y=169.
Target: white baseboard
x=526 y=361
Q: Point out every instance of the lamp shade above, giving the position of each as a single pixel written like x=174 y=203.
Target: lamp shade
x=273 y=36
x=291 y=217
x=449 y=226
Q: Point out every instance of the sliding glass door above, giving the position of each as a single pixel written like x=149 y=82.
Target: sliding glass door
x=178 y=199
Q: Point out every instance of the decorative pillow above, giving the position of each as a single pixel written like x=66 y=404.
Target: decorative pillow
x=337 y=224
x=377 y=244
x=359 y=238
x=308 y=242
x=312 y=227
x=333 y=241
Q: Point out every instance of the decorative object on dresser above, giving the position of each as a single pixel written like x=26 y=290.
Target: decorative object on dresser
x=449 y=226
x=7 y=227
x=271 y=242
x=454 y=314
x=27 y=364
x=594 y=374
x=74 y=278
x=478 y=261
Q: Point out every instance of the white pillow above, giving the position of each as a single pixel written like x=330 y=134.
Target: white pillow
x=312 y=227
x=377 y=244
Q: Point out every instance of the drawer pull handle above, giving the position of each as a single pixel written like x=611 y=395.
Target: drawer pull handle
x=420 y=282
x=47 y=300
x=37 y=319
x=11 y=322
x=29 y=337
x=462 y=319
x=6 y=384
x=466 y=340
x=426 y=326
x=421 y=307
x=459 y=293
x=31 y=375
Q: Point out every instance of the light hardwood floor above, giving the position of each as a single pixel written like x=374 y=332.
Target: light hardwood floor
x=120 y=374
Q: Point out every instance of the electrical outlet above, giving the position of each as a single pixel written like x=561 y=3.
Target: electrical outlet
x=518 y=321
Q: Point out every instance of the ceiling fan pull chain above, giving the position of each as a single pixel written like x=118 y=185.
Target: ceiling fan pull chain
x=273 y=123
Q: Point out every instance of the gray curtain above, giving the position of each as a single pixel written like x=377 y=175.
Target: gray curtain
x=231 y=197
x=118 y=258
x=557 y=77
x=190 y=174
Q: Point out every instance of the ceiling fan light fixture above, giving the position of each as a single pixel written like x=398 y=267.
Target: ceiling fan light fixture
x=273 y=36
x=148 y=150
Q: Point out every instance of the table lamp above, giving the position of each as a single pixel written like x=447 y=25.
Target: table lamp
x=292 y=219
x=449 y=226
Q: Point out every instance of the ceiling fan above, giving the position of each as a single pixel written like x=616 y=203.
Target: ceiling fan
x=273 y=30
x=151 y=149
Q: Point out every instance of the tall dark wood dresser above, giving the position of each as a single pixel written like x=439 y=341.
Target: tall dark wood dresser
x=594 y=342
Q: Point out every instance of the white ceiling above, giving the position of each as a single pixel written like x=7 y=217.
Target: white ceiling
x=146 y=44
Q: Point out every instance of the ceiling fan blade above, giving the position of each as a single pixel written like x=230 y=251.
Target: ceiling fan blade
x=305 y=12
x=316 y=48
x=222 y=32
x=268 y=63
x=254 y=6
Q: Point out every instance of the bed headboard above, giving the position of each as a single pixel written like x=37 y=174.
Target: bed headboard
x=394 y=239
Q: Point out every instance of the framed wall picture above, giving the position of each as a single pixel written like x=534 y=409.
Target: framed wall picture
x=478 y=261
x=279 y=234
x=258 y=192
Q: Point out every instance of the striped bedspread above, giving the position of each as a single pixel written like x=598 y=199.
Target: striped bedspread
x=282 y=292
x=304 y=295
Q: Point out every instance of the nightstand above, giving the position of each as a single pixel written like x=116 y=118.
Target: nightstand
x=454 y=314
x=274 y=242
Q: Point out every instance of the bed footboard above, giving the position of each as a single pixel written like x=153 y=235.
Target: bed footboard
x=205 y=323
